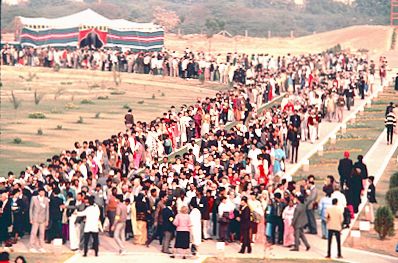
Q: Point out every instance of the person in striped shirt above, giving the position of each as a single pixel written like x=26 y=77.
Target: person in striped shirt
x=390 y=123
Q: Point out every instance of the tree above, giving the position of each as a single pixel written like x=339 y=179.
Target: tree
x=167 y=19
x=384 y=222
x=213 y=26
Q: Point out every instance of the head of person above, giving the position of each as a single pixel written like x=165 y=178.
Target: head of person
x=42 y=192
x=243 y=201
x=371 y=179
x=91 y=200
x=20 y=259
x=346 y=154
x=334 y=201
x=119 y=198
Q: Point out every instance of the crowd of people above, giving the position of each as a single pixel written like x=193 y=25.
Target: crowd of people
x=229 y=183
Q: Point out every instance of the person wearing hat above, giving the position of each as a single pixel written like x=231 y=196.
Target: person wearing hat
x=345 y=168
x=245 y=222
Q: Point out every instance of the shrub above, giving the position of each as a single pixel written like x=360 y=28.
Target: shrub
x=118 y=92
x=71 y=106
x=17 y=140
x=59 y=127
x=56 y=111
x=392 y=199
x=103 y=97
x=86 y=101
x=93 y=86
x=38 y=97
x=97 y=115
x=80 y=120
x=394 y=180
x=126 y=106
x=16 y=103
x=140 y=102
x=58 y=93
x=37 y=115
x=153 y=96
x=40 y=132
x=384 y=222
x=162 y=95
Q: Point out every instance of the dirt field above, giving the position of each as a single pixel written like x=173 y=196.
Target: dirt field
x=71 y=94
x=354 y=38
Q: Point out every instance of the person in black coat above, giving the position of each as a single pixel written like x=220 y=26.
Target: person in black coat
x=294 y=137
x=396 y=82
x=345 y=168
x=245 y=219
x=364 y=169
x=354 y=184
x=55 y=225
x=18 y=212
x=168 y=226
x=295 y=120
x=5 y=218
x=371 y=195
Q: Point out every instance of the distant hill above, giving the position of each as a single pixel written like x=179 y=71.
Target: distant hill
x=210 y=16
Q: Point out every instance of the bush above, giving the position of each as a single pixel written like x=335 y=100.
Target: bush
x=140 y=102
x=97 y=115
x=86 y=101
x=392 y=199
x=80 y=120
x=394 y=180
x=71 y=106
x=162 y=95
x=126 y=106
x=153 y=96
x=37 y=115
x=118 y=92
x=17 y=140
x=59 y=127
x=103 y=97
x=384 y=222
x=56 y=111
x=40 y=132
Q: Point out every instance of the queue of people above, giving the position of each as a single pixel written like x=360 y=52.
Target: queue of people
x=229 y=184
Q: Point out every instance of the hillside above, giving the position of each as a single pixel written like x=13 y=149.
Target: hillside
x=353 y=38
x=209 y=16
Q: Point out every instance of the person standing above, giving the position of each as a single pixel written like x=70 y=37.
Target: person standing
x=324 y=203
x=371 y=195
x=119 y=226
x=312 y=205
x=340 y=108
x=158 y=219
x=396 y=82
x=5 y=219
x=299 y=222
x=294 y=137
x=183 y=224
x=55 y=210
x=287 y=215
x=345 y=168
x=91 y=229
x=390 y=123
x=168 y=226
x=196 y=233
x=244 y=219
x=39 y=214
x=334 y=218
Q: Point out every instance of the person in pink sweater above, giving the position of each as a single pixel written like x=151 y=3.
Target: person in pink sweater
x=183 y=223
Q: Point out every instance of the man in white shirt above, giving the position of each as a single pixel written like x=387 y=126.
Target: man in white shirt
x=92 y=214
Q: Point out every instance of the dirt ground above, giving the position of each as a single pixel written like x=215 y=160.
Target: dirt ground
x=353 y=38
x=71 y=94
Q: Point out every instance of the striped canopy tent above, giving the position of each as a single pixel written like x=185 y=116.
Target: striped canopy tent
x=88 y=28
